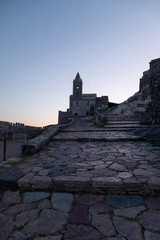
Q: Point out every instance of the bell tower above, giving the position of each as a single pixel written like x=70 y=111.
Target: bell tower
x=77 y=87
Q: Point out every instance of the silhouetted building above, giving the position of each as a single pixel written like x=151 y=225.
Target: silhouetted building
x=82 y=104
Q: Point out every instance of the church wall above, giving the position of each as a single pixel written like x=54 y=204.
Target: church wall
x=81 y=107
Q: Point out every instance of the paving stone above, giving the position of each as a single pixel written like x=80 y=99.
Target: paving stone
x=88 y=199
x=143 y=172
x=29 y=197
x=24 y=181
x=151 y=236
x=79 y=215
x=99 y=208
x=11 y=197
x=150 y=220
x=49 y=238
x=81 y=232
x=105 y=182
x=36 y=169
x=49 y=222
x=115 y=238
x=20 y=208
x=41 y=182
x=62 y=201
x=124 y=201
x=103 y=224
x=43 y=172
x=124 y=174
x=45 y=204
x=3 y=206
x=25 y=217
x=6 y=226
x=10 y=177
x=154 y=182
x=129 y=212
x=129 y=229
x=153 y=203
x=18 y=236
x=118 y=167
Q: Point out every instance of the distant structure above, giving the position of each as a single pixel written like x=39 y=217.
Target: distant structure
x=81 y=104
x=9 y=129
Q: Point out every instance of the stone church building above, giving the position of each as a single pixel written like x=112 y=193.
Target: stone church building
x=82 y=104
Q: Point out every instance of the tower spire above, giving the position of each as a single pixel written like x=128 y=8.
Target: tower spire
x=78 y=78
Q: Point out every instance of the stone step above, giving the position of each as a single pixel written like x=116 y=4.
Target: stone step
x=123 y=122
x=125 y=126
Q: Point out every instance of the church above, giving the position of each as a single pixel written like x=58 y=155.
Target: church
x=81 y=104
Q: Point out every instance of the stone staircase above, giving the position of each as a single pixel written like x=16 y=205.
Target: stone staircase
x=119 y=123
x=116 y=129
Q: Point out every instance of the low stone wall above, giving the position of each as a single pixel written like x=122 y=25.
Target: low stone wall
x=100 y=119
x=40 y=141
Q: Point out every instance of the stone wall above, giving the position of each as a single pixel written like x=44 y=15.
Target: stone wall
x=155 y=89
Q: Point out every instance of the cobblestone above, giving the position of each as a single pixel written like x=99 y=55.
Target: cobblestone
x=83 y=190
x=88 y=217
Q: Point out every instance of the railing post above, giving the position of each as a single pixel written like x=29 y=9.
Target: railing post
x=4 y=148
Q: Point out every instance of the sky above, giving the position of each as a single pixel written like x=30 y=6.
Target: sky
x=44 y=43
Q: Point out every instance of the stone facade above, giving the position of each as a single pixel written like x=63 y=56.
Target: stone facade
x=81 y=104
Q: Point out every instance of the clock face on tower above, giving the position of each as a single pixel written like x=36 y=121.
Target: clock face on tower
x=77 y=87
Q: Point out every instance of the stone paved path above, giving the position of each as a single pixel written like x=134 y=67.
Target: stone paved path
x=88 y=166
x=66 y=216
x=82 y=190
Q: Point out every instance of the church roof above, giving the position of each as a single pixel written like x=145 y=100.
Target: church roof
x=78 y=78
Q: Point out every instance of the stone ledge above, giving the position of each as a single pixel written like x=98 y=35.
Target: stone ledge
x=40 y=141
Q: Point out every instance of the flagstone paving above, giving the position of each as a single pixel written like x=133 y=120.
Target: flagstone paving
x=83 y=190
x=41 y=215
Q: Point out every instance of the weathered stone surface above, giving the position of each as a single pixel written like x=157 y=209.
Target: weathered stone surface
x=130 y=230
x=20 y=208
x=62 y=201
x=29 y=197
x=150 y=220
x=151 y=236
x=105 y=182
x=154 y=182
x=88 y=199
x=118 y=167
x=25 y=217
x=43 y=172
x=11 y=197
x=41 y=182
x=129 y=212
x=6 y=226
x=79 y=215
x=24 y=181
x=153 y=203
x=115 y=238
x=10 y=177
x=45 y=204
x=19 y=236
x=125 y=174
x=49 y=238
x=99 y=208
x=81 y=232
x=124 y=201
x=103 y=224
x=49 y=222
x=3 y=206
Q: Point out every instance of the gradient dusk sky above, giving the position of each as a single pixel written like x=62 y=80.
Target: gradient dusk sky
x=44 y=43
